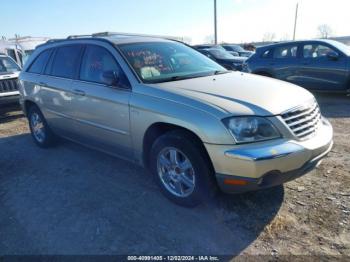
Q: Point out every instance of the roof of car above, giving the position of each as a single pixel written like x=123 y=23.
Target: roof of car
x=133 y=39
x=206 y=45
x=230 y=44
x=328 y=41
x=114 y=39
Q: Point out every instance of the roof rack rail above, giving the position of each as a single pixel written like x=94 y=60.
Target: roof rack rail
x=78 y=36
x=54 y=40
x=101 y=34
x=107 y=33
x=133 y=34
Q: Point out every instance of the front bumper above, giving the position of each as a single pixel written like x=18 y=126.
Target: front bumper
x=260 y=165
x=9 y=97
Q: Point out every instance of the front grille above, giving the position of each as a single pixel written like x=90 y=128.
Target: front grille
x=303 y=121
x=8 y=85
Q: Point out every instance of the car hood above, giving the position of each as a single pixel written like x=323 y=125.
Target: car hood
x=236 y=93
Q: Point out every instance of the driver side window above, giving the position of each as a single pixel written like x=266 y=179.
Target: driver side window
x=96 y=61
x=316 y=51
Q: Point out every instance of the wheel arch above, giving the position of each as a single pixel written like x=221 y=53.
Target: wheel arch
x=27 y=104
x=160 y=128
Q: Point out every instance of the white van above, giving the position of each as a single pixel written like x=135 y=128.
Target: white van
x=9 y=72
x=28 y=44
x=12 y=50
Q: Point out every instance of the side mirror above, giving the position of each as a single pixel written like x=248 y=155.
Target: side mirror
x=110 y=77
x=333 y=55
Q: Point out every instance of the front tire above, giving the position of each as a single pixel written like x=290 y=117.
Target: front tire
x=181 y=169
x=40 y=131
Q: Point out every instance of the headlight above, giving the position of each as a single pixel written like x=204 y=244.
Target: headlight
x=251 y=129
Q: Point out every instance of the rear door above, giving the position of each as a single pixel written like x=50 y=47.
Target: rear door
x=285 y=62
x=102 y=110
x=56 y=89
x=321 y=72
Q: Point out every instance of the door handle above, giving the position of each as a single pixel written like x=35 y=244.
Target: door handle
x=43 y=84
x=78 y=92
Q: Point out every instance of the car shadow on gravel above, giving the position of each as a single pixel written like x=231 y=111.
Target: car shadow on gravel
x=73 y=200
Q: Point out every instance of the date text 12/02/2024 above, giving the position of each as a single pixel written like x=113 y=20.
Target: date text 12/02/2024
x=173 y=258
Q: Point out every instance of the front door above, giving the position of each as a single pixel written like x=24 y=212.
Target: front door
x=101 y=109
x=285 y=63
x=319 y=71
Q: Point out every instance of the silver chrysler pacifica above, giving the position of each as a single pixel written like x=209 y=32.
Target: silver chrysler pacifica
x=159 y=103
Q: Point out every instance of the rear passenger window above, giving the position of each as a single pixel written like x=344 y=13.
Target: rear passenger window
x=285 y=52
x=96 y=61
x=40 y=62
x=66 y=61
x=266 y=54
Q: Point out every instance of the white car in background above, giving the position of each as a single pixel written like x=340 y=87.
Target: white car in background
x=9 y=72
x=28 y=44
x=12 y=50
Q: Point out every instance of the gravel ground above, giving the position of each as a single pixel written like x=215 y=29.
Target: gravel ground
x=73 y=200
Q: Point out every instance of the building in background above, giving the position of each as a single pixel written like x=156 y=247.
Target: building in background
x=28 y=44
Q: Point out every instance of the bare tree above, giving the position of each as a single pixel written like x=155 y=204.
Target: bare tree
x=269 y=37
x=324 y=31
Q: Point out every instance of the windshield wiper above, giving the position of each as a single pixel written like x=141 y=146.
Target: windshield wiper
x=176 y=78
x=182 y=77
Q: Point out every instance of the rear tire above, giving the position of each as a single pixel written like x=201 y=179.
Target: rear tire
x=181 y=169
x=40 y=131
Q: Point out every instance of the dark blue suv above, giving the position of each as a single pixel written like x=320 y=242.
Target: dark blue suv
x=322 y=65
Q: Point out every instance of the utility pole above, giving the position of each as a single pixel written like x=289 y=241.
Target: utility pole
x=215 y=25
x=295 y=21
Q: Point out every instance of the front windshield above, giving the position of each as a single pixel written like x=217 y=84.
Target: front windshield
x=7 y=65
x=220 y=54
x=156 y=62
